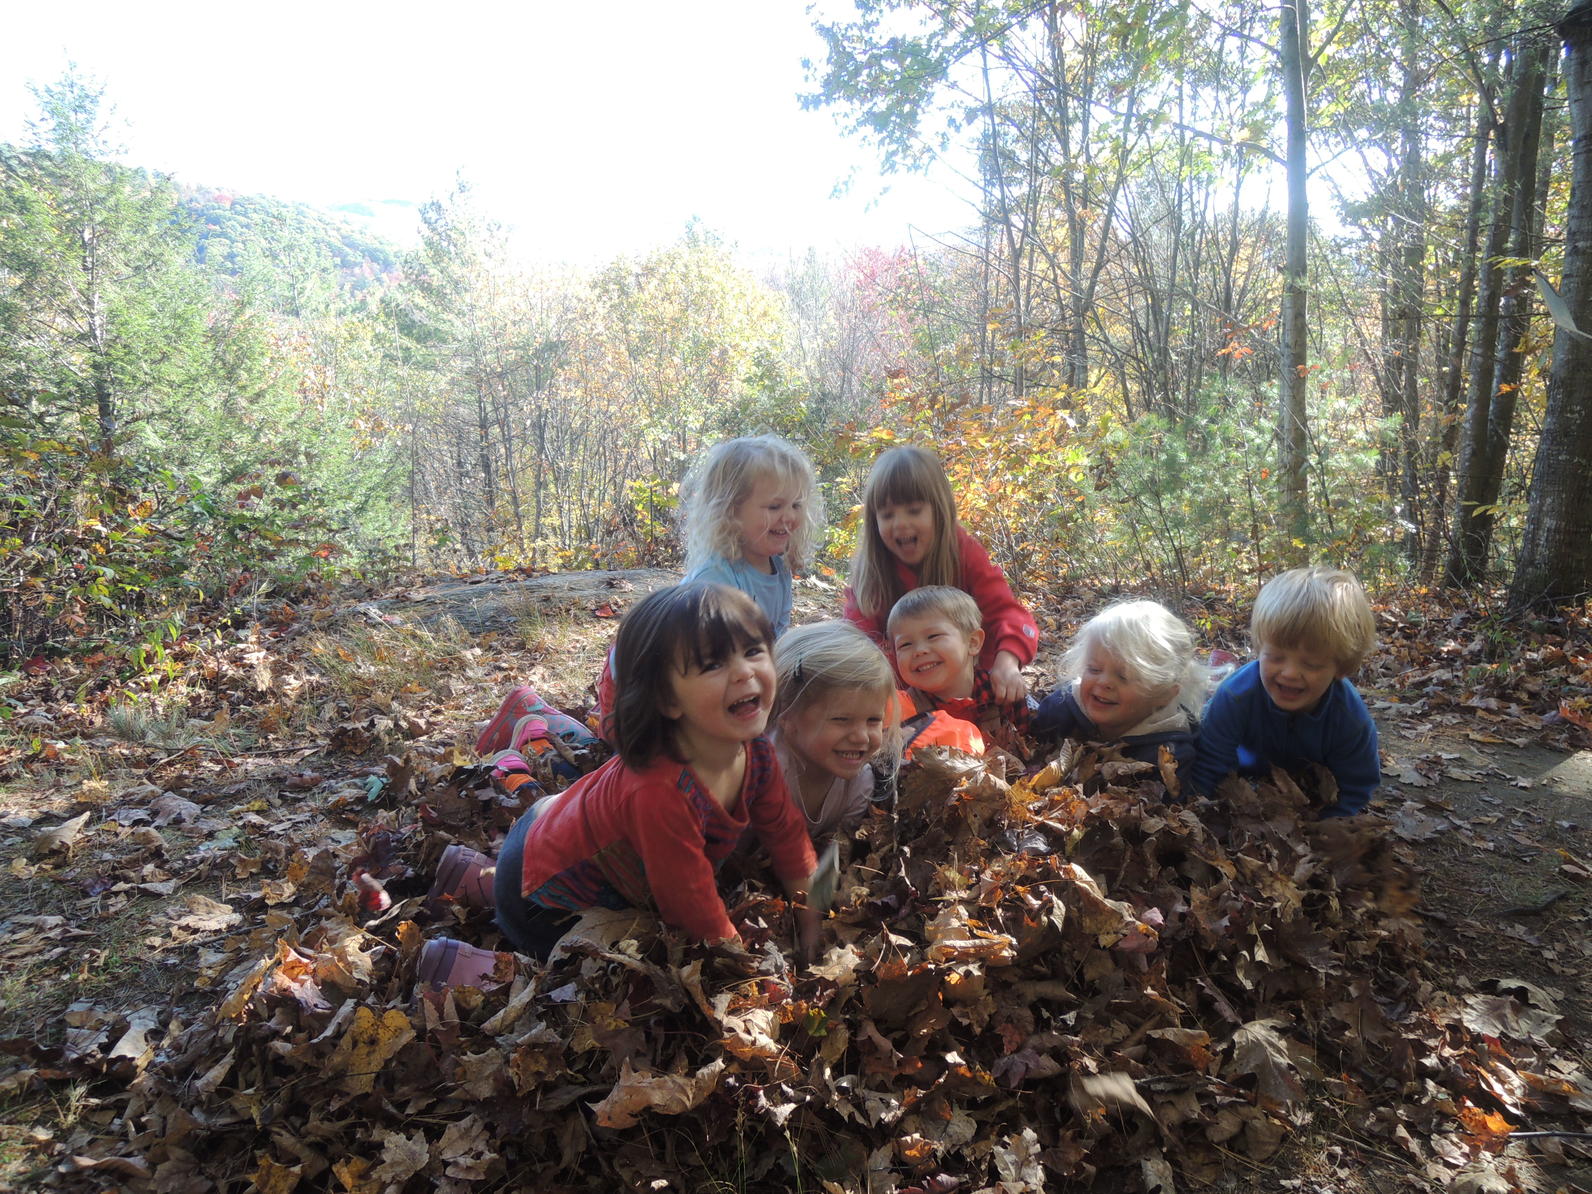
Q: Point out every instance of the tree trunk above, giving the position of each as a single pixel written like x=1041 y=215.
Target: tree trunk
x=1555 y=559
x=1458 y=335
x=100 y=368
x=1505 y=313
x=1401 y=373
x=1291 y=426
x=1490 y=416
x=1014 y=238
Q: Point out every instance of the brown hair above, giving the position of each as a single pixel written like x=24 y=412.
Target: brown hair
x=899 y=477
x=695 y=622
x=955 y=605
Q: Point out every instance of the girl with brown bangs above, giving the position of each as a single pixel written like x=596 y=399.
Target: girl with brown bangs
x=650 y=827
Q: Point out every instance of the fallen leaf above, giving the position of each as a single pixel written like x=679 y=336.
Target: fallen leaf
x=668 y=1094
x=61 y=837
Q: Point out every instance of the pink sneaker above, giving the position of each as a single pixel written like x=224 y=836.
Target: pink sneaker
x=521 y=702
x=512 y=772
x=509 y=762
x=531 y=736
x=445 y=963
x=464 y=876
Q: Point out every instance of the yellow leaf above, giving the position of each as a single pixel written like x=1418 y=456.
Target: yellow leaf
x=367 y=1046
x=272 y=1178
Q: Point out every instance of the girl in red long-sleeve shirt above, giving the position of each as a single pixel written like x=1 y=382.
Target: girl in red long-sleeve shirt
x=910 y=537
x=695 y=672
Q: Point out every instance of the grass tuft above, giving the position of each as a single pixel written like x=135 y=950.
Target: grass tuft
x=364 y=662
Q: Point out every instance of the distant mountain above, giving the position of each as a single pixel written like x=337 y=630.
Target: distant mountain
x=230 y=227
x=392 y=220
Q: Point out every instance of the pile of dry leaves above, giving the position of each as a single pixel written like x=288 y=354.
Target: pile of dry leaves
x=1025 y=986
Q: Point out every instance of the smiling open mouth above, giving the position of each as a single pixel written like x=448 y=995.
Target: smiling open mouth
x=746 y=706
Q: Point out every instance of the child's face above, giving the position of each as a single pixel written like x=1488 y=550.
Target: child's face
x=724 y=700
x=839 y=732
x=1296 y=678
x=1111 y=698
x=907 y=529
x=768 y=516
x=934 y=655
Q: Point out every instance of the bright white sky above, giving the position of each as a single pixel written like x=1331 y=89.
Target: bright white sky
x=591 y=129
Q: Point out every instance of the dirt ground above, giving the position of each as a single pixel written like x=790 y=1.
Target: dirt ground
x=1503 y=836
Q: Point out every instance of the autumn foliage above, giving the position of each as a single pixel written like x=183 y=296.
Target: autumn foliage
x=1061 y=980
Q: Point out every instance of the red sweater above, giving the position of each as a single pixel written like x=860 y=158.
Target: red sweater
x=1008 y=626
x=654 y=838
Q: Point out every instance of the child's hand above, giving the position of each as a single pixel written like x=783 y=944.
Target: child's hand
x=1006 y=679
x=732 y=960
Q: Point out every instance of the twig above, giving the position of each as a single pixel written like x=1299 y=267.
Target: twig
x=1365 y=1146
x=1564 y=1135
x=187 y=750
x=226 y=754
x=1535 y=909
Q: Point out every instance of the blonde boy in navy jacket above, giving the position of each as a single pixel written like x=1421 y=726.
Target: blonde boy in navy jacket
x=1312 y=628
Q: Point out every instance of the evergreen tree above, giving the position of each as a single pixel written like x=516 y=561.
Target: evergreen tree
x=102 y=318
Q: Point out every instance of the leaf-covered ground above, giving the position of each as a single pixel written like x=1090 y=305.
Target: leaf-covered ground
x=1050 y=984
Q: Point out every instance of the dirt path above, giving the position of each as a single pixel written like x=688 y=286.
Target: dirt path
x=1504 y=836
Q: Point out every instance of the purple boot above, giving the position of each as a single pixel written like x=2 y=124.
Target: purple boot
x=464 y=876
x=446 y=963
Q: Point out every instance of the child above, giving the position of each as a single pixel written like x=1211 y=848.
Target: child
x=910 y=537
x=1312 y=628
x=936 y=636
x=832 y=714
x=1130 y=677
x=695 y=686
x=750 y=506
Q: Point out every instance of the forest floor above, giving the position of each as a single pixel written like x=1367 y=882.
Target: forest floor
x=151 y=845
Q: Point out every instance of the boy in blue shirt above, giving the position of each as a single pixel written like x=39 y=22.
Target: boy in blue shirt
x=1312 y=628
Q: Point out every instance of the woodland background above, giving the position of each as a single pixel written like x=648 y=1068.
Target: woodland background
x=229 y=421
x=1148 y=365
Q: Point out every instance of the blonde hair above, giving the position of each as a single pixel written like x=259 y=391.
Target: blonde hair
x=955 y=605
x=724 y=478
x=1316 y=608
x=1154 y=645
x=899 y=477
x=814 y=662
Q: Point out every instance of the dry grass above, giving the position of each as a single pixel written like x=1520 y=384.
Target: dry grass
x=360 y=662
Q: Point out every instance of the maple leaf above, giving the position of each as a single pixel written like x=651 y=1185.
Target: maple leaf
x=367 y=1045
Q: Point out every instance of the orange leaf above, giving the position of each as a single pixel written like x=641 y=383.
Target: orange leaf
x=1581 y=716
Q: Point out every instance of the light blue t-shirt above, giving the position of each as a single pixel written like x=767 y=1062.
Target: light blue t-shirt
x=771 y=590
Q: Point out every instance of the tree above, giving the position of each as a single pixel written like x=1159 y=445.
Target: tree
x=1555 y=559
x=1294 y=26
x=103 y=317
x=1495 y=367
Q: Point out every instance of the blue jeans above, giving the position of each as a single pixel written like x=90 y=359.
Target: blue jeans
x=530 y=928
